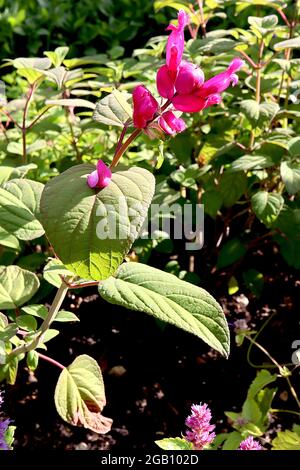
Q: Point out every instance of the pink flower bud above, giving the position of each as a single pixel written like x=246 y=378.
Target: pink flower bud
x=144 y=107
x=175 y=42
x=100 y=178
x=165 y=79
x=171 y=124
x=223 y=80
x=189 y=77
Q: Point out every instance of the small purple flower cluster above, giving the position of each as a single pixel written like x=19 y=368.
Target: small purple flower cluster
x=200 y=433
x=4 y=423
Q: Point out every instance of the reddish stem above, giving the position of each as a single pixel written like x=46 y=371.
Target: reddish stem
x=52 y=361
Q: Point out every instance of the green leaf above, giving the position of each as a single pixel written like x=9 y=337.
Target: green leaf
x=286 y=440
x=290 y=174
x=8 y=332
x=32 y=360
x=12 y=370
x=6 y=239
x=263 y=378
x=91 y=231
x=80 y=396
x=289 y=44
x=251 y=411
x=231 y=252
x=64 y=316
x=233 y=286
x=259 y=114
x=17 y=286
x=39 y=311
x=254 y=281
x=113 y=109
x=19 y=208
x=142 y=288
x=53 y=270
x=232 y=187
x=71 y=102
x=267 y=206
x=294 y=147
x=26 y=322
x=58 y=56
x=233 y=441
x=212 y=201
x=9 y=436
x=251 y=162
x=37 y=63
x=174 y=443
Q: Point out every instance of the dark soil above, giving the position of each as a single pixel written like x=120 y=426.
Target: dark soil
x=154 y=372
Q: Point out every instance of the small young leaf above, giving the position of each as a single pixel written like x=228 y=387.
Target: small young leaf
x=80 y=396
x=174 y=443
x=267 y=206
x=26 y=322
x=17 y=286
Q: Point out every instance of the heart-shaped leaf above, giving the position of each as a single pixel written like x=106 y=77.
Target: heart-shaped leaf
x=91 y=231
x=80 y=395
x=113 y=109
x=267 y=206
x=146 y=289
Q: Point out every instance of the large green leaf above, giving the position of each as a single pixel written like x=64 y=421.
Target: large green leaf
x=91 y=231
x=267 y=206
x=293 y=43
x=17 y=286
x=19 y=208
x=232 y=187
x=143 y=288
x=263 y=378
x=113 y=109
x=286 y=440
x=80 y=395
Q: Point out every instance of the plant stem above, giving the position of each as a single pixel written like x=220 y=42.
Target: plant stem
x=279 y=367
x=38 y=117
x=124 y=147
x=56 y=304
x=23 y=128
x=273 y=410
x=10 y=118
x=52 y=361
x=203 y=24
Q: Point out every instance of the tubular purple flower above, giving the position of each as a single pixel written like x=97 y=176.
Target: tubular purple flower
x=189 y=78
x=101 y=177
x=200 y=433
x=144 y=106
x=250 y=444
x=175 y=43
x=223 y=80
x=171 y=124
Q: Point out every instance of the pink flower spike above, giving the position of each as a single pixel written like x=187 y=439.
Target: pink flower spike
x=171 y=124
x=189 y=77
x=165 y=79
x=99 y=178
x=175 y=43
x=250 y=444
x=144 y=106
x=223 y=80
x=200 y=433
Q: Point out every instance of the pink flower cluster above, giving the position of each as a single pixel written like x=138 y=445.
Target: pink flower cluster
x=182 y=84
x=250 y=444
x=200 y=433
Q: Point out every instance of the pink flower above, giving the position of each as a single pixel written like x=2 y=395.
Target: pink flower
x=100 y=178
x=189 y=78
x=200 y=433
x=144 y=107
x=165 y=80
x=175 y=44
x=250 y=444
x=223 y=80
x=171 y=124
x=202 y=94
